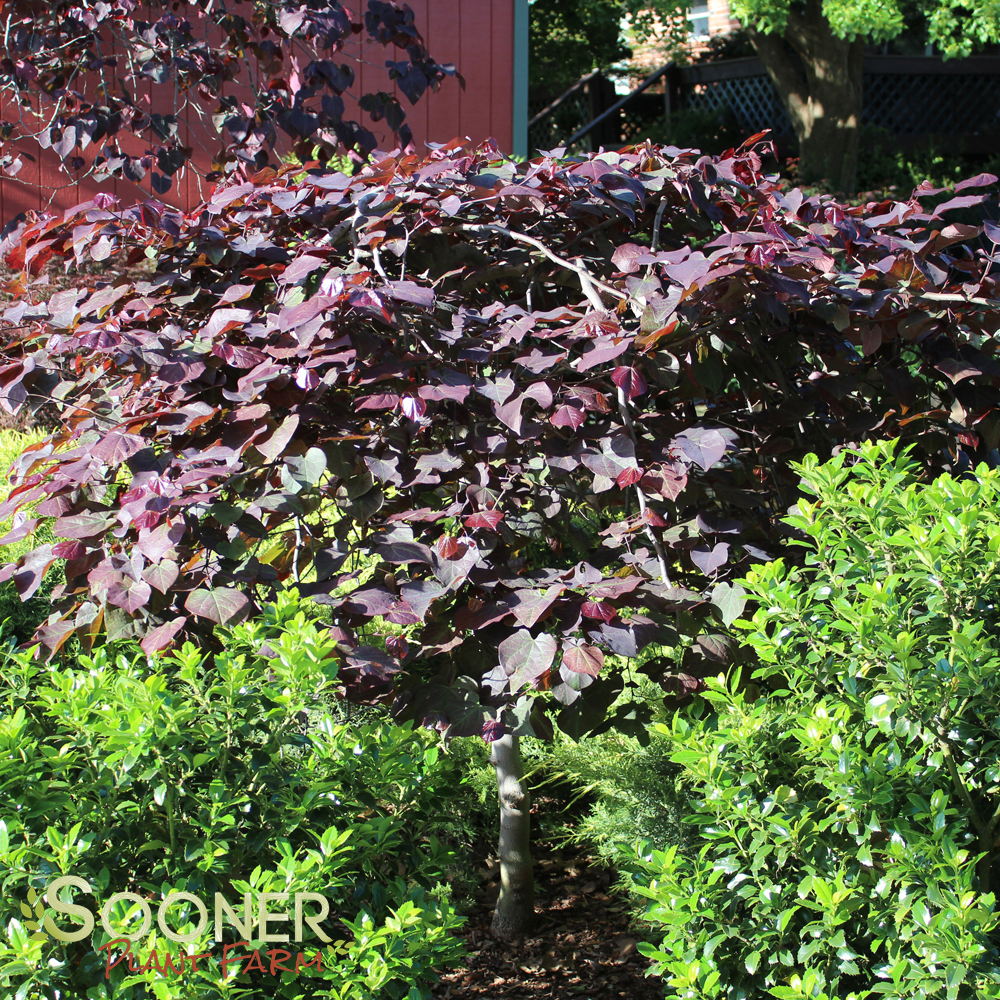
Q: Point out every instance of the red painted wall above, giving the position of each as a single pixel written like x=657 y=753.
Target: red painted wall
x=476 y=35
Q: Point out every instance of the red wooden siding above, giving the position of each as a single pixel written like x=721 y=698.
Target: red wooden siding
x=476 y=35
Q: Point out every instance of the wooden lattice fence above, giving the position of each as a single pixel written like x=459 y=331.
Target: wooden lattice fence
x=954 y=103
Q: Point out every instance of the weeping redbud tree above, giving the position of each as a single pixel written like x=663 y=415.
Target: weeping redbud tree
x=516 y=425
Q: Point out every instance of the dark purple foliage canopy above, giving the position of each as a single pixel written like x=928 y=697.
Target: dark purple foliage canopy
x=536 y=414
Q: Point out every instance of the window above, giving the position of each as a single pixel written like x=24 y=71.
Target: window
x=699 y=18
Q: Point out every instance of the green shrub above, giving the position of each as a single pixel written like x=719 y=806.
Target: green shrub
x=709 y=129
x=17 y=618
x=219 y=775
x=617 y=783
x=883 y=165
x=848 y=819
x=634 y=788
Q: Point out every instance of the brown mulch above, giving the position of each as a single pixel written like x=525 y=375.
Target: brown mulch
x=582 y=947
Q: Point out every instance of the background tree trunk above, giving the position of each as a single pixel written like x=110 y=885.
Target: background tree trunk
x=515 y=908
x=821 y=91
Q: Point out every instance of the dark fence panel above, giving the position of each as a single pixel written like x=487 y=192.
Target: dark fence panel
x=914 y=98
x=551 y=125
x=742 y=85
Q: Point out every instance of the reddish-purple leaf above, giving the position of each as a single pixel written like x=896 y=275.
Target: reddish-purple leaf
x=307 y=379
x=31 y=571
x=435 y=393
x=627 y=256
x=525 y=658
x=956 y=370
x=710 y=559
x=54 y=636
x=116 y=448
x=155 y=544
x=372 y=602
x=300 y=268
x=378 y=401
x=221 y=605
x=603 y=350
x=453 y=571
x=630 y=380
x=583 y=659
x=129 y=595
x=871 y=340
x=531 y=606
x=476 y=615
x=712 y=523
x=372 y=664
x=413 y=407
x=147 y=519
x=396 y=645
x=449 y=548
x=614 y=588
x=541 y=392
x=609 y=466
x=980 y=180
x=568 y=416
x=223 y=320
x=484 y=519
x=22 y=530
x=274 y=447
x=628 y=477
x=666 y=482
x=69 y=550
x=404 y=551
x=682 y=686
x=510 y=413
x=713 y=647
x=239 y=357
x=493 y=731
x=410 y=291
x=600 y=610
x=962 y=201
x=689 y=271
x=162 y=636
x=162 y=575
x=704 y=446
x=236 y=293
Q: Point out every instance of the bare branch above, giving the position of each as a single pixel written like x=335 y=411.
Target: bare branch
x=539 y=245
x=661 y=556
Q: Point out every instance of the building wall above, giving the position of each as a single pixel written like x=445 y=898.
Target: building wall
x=720 y=20
x=650 y=55
x=477 y=35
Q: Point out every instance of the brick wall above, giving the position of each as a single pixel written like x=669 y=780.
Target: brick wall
x=649 y=56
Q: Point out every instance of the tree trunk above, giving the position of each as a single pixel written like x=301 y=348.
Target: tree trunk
x=515 y=908
x=821 y=91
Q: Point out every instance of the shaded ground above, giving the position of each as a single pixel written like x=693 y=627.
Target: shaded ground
x=581 y=949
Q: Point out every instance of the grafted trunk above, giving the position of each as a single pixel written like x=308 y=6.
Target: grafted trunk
x=515 y=909
x=821 y=91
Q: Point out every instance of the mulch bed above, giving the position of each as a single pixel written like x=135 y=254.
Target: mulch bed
x=582 y=948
